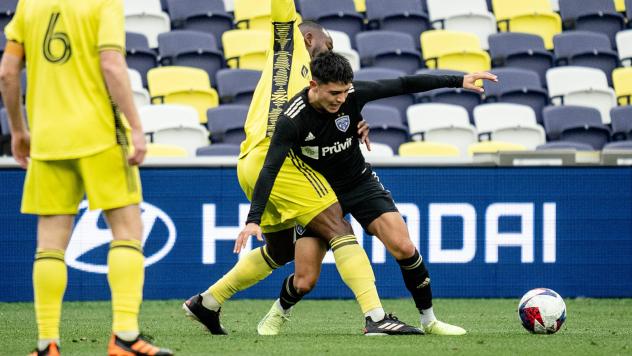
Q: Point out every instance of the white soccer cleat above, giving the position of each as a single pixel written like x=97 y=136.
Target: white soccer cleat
x=273 y=321
x=440 y=328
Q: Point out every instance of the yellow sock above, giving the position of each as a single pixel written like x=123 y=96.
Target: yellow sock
x=355 y=270
x=126 y=275
x=249 y=270
x=49 y=284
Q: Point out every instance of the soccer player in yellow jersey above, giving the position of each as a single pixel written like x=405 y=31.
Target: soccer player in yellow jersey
x=285 y=74
x=76 y=143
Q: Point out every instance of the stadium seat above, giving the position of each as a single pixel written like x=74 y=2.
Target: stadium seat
x=401 y=102
x=624 y=47
x=7 y=9
x=576 y=124
x=443 y=123
x=512 y=123
x=593 y=15
x=618 y=146
x=619 y=5
x=3 y=43
x=517 y=86
x=139 y=56
x=388 y=49
x=377 y=150
x=463 y=15
x=382 y=115
x=157 y=150
x=339 y=15
x=190 y=49
x=428 y=149
x=229 y=5
x=189 y=138
x=342 y=45
x=622 y=78
x=253 y=14
x=520 y=50
x=146 y=17
x=218 y=149
x=156 y=117
x=532 y=16
x=386 y=125
x=226 y=123
x=182 y=85
x=456 y=96
x=246 y=49
x=621 y=122
x=586 y=49
x=493 y=147
x=141 y=95
x=236 y=86
x=360 y=5
x=208 y=16
x=405 y=16
x=628 y=12
x=454 y=50
x=581 y=86
x=564 y=145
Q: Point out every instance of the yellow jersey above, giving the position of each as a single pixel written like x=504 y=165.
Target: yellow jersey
x=285 y=74
x=69 y=110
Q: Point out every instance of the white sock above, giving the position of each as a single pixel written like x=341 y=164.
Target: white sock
x=209 y=302
x=376 y=314
x=43 y=343
x=128 y=336
x=277 y=303
x=427 y=316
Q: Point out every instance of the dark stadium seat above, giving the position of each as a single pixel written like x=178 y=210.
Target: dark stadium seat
x=226 y=123
x=5 y=133
x=139 y=55
x=7 y=9
x=628 y=12
x=575 y=124
x=339 y=15
x=191 y=49
x=380 y=115
x=401 y=102
x=388 y=49
x=565 y=145
x=592 y=15
x=518 y=86
x=207 y=16
x=622 y=145
x=520 y=50
x=218 y=149
x=236 y=86
x=386 y=125
x=3 y=43
x=455 y=96
x=621 y=122
x=586 y=49
x=406 y=16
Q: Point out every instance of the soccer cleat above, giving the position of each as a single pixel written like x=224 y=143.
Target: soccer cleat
x=139 y=347
x=195 y=310
x=440 y=328
x=390 y=325
x=51 y=350
x=273 y=321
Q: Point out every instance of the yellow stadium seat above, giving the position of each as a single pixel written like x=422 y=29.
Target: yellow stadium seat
x=159 y=150
x=428 y=149
x=622 y=80
x=253 y=14
x=182 y=85
x=619 y=5
x=530 y=16
x=493 y=147
x=360 y=5
x=454 y=50
x=246 y=49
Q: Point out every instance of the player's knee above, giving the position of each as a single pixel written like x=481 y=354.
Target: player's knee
x=403 y=249
x=305 y=284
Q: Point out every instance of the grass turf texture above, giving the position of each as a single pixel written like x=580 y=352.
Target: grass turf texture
x=333 y=327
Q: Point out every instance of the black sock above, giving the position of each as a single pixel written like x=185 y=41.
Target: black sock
x=289 y=295
x=417 y=280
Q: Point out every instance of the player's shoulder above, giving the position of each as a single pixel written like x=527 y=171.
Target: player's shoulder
x=295 y=106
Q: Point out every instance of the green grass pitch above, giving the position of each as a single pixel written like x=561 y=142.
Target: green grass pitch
x=333 y=327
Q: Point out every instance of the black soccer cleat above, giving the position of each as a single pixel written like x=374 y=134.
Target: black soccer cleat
x=390 y=325
x=51 y=350
x=195 y=310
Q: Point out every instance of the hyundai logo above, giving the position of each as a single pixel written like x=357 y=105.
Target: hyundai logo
x=88 y=236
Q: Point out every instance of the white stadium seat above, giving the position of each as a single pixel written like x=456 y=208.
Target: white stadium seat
x=377 y=150
x=512 y=123
x=624 y=46
x=141 y=95
x=157 y=117
x=146 y=17
x=463 y=15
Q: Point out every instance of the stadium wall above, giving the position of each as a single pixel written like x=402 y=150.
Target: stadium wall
x=483 y=232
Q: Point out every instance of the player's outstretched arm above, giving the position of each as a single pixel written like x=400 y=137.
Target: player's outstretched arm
x=10 y=69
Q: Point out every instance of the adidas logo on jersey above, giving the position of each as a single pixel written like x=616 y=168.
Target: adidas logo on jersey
x=310 y=137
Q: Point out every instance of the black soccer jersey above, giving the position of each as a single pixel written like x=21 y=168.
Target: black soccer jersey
x=328 y=142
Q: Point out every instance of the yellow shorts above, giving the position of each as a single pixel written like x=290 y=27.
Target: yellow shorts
x=56 y=187
x=299 y=193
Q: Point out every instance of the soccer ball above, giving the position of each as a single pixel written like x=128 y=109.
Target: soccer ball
x=542 y=311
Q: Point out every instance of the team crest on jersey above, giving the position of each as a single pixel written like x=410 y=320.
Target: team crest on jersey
x=343 y=122
x=300 y=230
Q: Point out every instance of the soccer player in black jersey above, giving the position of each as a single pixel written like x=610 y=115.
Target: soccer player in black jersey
x=317 y=127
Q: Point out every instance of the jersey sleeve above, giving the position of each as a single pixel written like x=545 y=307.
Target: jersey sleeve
x=112 y=26
x=14 y=31
x=285 y=135
x=283 y=11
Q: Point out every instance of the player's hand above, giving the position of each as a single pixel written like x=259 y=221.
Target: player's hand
x=363 y=133
x=251 y=229
x=469 y=80
x=140 y=148
x=21 y=148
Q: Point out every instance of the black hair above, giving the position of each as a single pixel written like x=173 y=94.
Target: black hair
x=330 y=67
x=309 y=25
